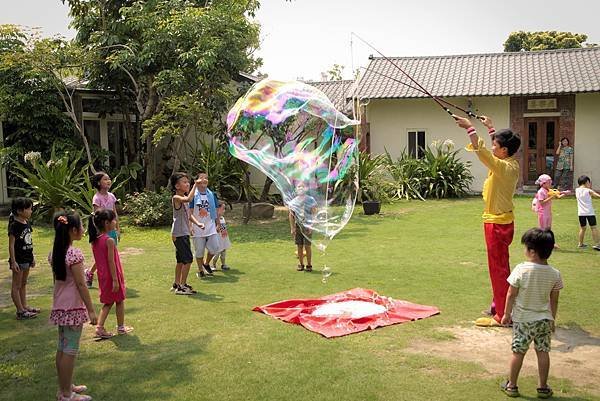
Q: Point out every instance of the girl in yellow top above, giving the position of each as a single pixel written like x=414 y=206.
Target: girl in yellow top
x=498 y=217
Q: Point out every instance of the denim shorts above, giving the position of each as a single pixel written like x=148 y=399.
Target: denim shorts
x=538 y=331
x=22 y=266
x=68 y=339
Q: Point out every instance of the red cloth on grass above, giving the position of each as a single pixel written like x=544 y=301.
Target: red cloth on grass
x=299 y=311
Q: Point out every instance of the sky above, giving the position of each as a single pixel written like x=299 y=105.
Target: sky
x=303 y=38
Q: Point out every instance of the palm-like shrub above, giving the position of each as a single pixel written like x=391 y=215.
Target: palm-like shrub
x=440 y=173
x=56 y=183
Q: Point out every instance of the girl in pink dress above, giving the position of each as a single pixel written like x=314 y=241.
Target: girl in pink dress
x=72 y=305
x=544 y=201
x=111 y=282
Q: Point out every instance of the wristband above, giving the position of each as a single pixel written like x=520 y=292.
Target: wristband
x=491 y=131
x=471 y=131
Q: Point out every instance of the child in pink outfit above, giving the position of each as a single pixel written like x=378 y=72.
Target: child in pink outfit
x=544 y=202
x=72 y=305
x=111 y=281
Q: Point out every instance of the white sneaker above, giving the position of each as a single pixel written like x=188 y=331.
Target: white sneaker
x=183 y=291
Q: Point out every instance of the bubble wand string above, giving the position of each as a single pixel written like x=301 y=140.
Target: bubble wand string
x=423 y=90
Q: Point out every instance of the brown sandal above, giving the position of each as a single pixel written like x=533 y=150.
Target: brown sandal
x=309 y=268
x=300 y=268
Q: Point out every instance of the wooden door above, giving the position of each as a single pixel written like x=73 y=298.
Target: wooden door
x=539 y=147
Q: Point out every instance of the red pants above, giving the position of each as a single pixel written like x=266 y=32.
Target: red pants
x=497 y=240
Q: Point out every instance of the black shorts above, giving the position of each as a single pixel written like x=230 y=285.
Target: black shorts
x=590 y=219
x=183 y=250
x=302 y=239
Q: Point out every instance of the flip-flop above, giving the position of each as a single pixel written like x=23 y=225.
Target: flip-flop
x=487 y=322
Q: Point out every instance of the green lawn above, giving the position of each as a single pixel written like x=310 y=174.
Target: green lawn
x=213 y=347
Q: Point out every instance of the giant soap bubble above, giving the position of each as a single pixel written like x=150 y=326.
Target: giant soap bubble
x=293 y=134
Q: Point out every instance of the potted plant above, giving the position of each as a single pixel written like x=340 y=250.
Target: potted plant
x=371 y=182
x=373 y=192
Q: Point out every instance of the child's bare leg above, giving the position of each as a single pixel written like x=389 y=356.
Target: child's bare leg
x=581 y=234
x=515 y=367
x=15 y=290
x=23 y=289
x=185 y=270
x=103 y=314
x=64 y=366
x=595 y=235
x=308 y=251
x=222 y=256
x=199 y=262
x=178 y=268
x=543 y=359
x=209 y=257
x=120 y=309
x=300 y=255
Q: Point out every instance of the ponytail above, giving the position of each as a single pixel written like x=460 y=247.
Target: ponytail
x=63 y=223
x=97 y=221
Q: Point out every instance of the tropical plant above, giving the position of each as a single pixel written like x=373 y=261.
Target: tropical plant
x=56 y=183
x=63 y=181
x=440 y=173
x=149 y=208
x=371 y=185
x=444 y=174
x=404 y=176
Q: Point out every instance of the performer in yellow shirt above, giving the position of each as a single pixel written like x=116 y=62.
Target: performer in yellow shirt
x=498 y=217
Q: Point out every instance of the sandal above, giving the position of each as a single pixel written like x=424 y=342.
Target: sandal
x=74 y=397
x=124 y=329
x=81 y=388
x=102 y=334
x=309 y=268
x=33 y=310
x=544 y=392
x=300 y=268
x=511 y=391
x=24 y=315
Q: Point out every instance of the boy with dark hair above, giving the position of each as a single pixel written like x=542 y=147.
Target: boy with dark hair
x=531 y=304
x=498 y=217
x=585 y=210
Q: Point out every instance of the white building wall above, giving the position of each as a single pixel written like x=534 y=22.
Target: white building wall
x=587 y=137
x=391 y=119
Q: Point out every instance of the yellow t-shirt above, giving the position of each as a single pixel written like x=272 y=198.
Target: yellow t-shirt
x=499 y=186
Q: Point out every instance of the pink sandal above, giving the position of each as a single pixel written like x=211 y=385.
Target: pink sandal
x=102 y=334
x=124 y=329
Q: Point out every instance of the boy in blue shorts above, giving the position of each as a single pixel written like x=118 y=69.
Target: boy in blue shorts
x=532 y=302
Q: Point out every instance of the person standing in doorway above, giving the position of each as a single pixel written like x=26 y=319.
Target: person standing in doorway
x=563 y=175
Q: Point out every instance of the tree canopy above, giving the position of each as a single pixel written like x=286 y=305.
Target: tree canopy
x=544 y=40
x=174 y=59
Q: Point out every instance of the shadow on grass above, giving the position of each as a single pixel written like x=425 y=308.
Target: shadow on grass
x=574 y=336
x=229 y=276
x=152 y=370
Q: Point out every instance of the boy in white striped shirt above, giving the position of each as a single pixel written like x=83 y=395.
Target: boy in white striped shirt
x=532 y=302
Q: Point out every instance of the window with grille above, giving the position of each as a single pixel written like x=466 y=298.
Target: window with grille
x=416 y=143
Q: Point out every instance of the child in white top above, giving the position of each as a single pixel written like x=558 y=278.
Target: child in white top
x=531 y=305
x=585 y=210
x=224 y=242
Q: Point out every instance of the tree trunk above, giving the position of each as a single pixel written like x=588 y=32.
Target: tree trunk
x=248 y=199
x=264 y=196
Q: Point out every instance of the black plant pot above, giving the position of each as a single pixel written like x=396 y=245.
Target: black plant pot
x=371 y=207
